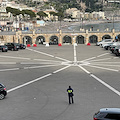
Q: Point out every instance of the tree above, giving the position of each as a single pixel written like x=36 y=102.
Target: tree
x=42 y=14
x=29 y=12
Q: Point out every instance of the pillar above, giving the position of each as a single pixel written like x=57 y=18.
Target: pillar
x=87 y=37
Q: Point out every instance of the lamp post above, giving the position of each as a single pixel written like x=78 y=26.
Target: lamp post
x=113 y=21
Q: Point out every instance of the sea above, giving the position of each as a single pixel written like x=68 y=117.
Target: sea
x=95 y=27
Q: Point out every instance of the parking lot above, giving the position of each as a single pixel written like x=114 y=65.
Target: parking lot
x=37 y=79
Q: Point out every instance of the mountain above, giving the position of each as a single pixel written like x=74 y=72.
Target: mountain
x=91 y=5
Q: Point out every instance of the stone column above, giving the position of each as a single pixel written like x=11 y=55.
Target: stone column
x=113 y=34
x=33 y=37
x=87 y=37
x=60 y=36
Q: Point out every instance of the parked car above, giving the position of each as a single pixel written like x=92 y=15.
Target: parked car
x=98 y=43
x=107 y=114
x=13 y=46
x=117 y=50
x=22 y=46
x=107 y=46
x=3 y=48
x=112 y=47
x=105 y=41
x=3 y=91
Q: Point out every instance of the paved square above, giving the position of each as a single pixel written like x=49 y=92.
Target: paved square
x=37 y=79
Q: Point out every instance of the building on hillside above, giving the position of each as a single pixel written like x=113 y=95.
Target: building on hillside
x=70 y=10
x=98 y=15
x=50 y=17
x=3 y=14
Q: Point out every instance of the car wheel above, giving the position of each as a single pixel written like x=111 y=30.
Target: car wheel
x=12 y=49
x=2 y=96
x=116 y=54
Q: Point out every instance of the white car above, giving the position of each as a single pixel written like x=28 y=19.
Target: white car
x=107 y=45
x=105 y=41
x=98 y=43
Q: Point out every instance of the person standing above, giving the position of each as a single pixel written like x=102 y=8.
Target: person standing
x=70 y=95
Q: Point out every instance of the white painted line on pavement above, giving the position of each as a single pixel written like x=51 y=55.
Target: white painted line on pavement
x=105 y=84
x=35 y=80
x=62 y=69
x=108 y=62
x=41 y=60
x=103 y=54
x=35 y=63
x=8 y=63
x=40 y=52
x=62 y=59
x=88 y=59
x=47 y=54
x=102 y=82
x=15 y=57
x=84 y=69
x=41 y=66
x=25 y=84
x=9 y=69
x=104 y=64
x=100 y=60
x=103 y=68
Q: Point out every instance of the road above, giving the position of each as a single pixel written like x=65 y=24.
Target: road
x=37 y=79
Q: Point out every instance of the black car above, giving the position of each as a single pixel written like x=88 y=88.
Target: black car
x=107 y=114
x=22 y=46
x=12 y=46
x=3 y=48
x=3 y=91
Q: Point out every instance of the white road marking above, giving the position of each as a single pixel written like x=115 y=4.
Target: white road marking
x=46 y=60
x=103 y=68
x=104 y=64
x=61 y=69
x=9 y=69
x=32 y=63
x=8 y=63
x=41 y=66
x=87 y=59
x=84 y=69
x=102 y=82
x=103 y=54
x=109 y=62
x=47 y=54
x=62 y=59
x=35 y=80
x=105 y=84
x=100 y=60
x=40 y=52
x=15 y=57
x=25 y=84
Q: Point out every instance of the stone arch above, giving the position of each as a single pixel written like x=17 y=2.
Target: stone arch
x=80 y=39
x=53 y=40
x=106 y=37
x=67 y=39
x=40 y=40
x=93 y=39
x=27 y=40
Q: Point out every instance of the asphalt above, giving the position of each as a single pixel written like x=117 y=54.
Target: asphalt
x=37 y=79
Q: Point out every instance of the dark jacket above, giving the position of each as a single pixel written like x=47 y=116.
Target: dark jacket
x=70 y=91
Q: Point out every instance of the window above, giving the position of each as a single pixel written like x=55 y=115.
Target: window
x=113 y=116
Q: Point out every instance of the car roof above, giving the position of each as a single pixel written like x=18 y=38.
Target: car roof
x=110 y=110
